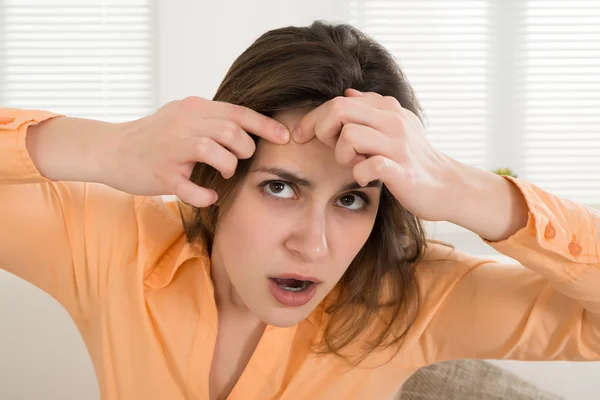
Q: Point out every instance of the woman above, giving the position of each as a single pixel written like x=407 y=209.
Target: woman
x=296 y=266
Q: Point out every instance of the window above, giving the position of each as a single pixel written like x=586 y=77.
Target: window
x=93 y=58
x=504 y=83
x=442 y=47
x=560 y=91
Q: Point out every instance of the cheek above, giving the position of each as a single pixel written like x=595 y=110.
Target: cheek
x=350 y=236
x=247 y=228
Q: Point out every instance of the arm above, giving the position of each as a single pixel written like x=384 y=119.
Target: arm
x=476 y=308
x=547 y=308
x=67 y=237
x=63 y=237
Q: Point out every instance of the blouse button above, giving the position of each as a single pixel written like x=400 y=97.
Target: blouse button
x=550 y=232
x=6 y=120
x=574 y=248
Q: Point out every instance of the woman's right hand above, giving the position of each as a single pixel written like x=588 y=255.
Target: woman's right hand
x=155 y=155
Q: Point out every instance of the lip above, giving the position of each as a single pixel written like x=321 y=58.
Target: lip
x=292 y=299
x=298 y=277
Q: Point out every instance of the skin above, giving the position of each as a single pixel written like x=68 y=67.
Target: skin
x=358 y=137
x=282 y=227
x=362 y=138
x=277 y=228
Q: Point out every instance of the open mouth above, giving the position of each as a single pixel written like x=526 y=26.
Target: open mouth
x=292 y=285
x=293 y=290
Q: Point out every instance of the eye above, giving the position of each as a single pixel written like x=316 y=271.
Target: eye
x=352 y=201
x=279 y=189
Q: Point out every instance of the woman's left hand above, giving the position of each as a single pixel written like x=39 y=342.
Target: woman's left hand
x=385 y=142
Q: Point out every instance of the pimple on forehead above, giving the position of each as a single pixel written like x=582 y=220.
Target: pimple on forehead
x=290 y=119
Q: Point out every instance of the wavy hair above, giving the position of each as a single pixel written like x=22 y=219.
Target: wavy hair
x=300 y=68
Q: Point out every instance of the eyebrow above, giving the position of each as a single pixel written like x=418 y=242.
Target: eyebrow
x=293 y=178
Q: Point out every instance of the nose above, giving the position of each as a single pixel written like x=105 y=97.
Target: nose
x=309 y=238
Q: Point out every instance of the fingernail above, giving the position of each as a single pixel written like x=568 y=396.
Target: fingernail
x=297 y=134
x=283 y=134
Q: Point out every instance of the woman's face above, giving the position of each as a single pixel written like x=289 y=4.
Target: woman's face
x=299 y=216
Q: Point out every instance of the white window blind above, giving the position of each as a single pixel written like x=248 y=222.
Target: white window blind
x=442 y=47
x=561 y=90
x=504 y=83
x=86 y=58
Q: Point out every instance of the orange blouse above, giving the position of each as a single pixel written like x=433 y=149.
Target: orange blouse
x=143 y=299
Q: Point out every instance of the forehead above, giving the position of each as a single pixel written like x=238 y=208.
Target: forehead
x=312 y=159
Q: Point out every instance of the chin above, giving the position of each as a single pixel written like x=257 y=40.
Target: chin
x=283 y=316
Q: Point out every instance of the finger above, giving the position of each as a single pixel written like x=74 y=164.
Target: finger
x=398 y=116
x=206 y=150
x=384 y=103
x=352 y=93
x=355 y=140
x=390 y=173
x=326 y=121
x=253 y=122
x=357 y=159
x=229 y=134
x=387 y=103
x=193 y=194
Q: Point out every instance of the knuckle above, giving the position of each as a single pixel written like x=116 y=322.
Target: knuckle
x=411 y=116
x=229 y=131
x=248 y=151
x=349 y=132
x=203 y=145
x=397 y=119
x=188 y=107
x=191 y=102
x=179 y=191
x=238 y=113
x=231 y=166
x=391 y=102
x=380 y=163
x=227 y=166
x=339 y=105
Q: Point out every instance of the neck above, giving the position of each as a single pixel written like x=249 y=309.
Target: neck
x=227 y=298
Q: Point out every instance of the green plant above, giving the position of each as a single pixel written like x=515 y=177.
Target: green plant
x=505 y=171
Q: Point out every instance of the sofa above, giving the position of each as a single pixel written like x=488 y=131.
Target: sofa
x=469 y=380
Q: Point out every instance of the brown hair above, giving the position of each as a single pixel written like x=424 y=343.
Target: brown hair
x=300 y=68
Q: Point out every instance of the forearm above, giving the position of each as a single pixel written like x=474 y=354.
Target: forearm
x=71 y=149
x=487 y=204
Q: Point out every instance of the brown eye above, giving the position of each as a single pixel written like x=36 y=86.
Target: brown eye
x=347 y=200
x=279 y=189
x=352 y=202
x=276 y=187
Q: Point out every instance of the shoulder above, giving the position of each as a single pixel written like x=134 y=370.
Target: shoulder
x=437 y=252
x=444 y=265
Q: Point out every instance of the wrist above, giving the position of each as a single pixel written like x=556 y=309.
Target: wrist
x=488 y=204
x=102 y=151
x=465 y=188
x=72 y=149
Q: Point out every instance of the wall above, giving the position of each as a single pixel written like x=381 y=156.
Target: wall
x=41 y=353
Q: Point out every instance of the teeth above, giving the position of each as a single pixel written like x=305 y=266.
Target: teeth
x=295 y=286
x=295 y=289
